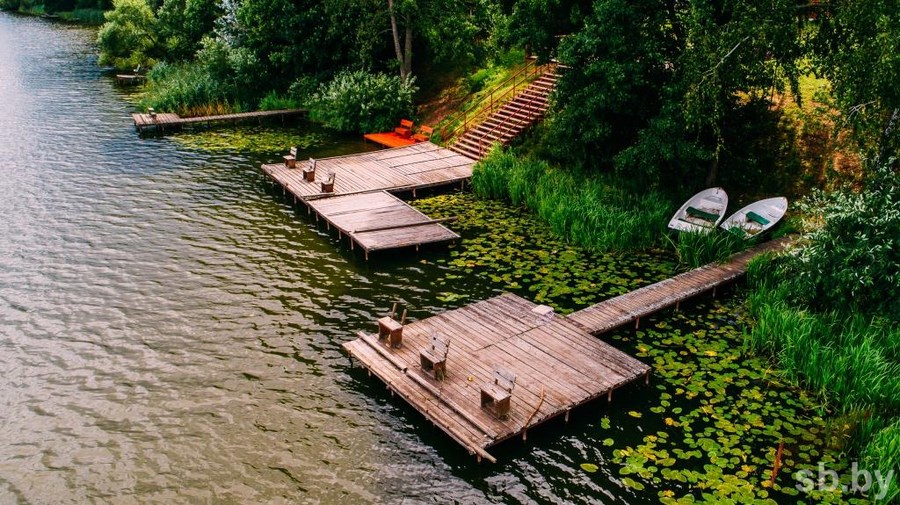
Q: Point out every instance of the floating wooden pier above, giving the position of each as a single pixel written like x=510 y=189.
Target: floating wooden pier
x=379 y=220
x=557 y=366
x=558 y=362
x=161 y=121
x=359 y=204
x=631 y=307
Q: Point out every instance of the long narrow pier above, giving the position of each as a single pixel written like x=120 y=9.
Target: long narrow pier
x=163 y=120
x=631 y=307
x=558 y=363
x=359 y=204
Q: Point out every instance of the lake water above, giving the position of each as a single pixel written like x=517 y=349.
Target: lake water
x=170 y=326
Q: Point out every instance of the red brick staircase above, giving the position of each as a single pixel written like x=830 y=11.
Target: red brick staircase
x=511 y=119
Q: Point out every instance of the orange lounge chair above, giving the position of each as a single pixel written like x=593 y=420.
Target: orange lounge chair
x=405 y=128
x=424 y=134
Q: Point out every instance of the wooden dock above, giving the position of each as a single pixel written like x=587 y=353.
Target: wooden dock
x=556 y=363
x=631 y=307
x=405 y=168
x=161 y=121
x=379 y=220
x=389 y=139
x=360 y=205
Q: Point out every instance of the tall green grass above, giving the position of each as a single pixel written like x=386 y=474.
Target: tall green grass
x=188 y=90
x=851 y=360
x=590 y=211
x=695 y=249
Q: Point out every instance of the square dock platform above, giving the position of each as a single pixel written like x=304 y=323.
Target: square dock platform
x=556 y=363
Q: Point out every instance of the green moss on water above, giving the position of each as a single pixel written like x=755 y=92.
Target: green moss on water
x=514 y=251
x=257 y=140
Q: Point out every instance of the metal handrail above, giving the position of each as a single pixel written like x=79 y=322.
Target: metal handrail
x=463 y=119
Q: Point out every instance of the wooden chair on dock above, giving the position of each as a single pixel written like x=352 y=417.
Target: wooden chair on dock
x=290 y=160
x=433 y=358
x=309 y=173
x=391 y=329
x=496 y=396
x=328 y=183
x=405 y=128
x=424 y=134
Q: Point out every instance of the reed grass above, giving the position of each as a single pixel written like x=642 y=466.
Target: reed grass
x=588 y=210
x=851 y=360
x=695 y=249
x=188 y=90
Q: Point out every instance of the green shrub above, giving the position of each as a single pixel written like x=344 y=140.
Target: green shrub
x=363 y=102
x=586 y=210
x=852 y=261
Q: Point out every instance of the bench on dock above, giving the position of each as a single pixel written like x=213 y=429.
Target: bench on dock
x=290 y=160
x=391 y=329
x=753 y=217
x=495 y=396
x=405 y=128
x=433 y=358
x=328 y=183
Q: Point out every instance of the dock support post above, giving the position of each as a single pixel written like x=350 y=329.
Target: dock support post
x=637 y=323
x=567 y=415
x=677 y=305
x=647 y=379
x=714 y=291
x=609 y=396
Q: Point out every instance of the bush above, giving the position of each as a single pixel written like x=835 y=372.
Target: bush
x=852 y=261
x=363 y=102
x=588 y=211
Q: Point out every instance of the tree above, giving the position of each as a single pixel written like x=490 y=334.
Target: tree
x=539 y=25
x=857 y=47
x=183 y=23
x=653 y=85
x=128 y=37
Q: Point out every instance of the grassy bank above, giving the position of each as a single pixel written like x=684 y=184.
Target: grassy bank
x=589 y=211
x=826 y=315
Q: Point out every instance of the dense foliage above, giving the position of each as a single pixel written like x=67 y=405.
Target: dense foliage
x=363 y=102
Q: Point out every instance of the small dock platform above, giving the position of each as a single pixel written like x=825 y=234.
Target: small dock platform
x=379 y=220
x=131 y=79
x=557 y=365
x=417 y=166
x=389 y=139
x=631 y=307
x=161 y=121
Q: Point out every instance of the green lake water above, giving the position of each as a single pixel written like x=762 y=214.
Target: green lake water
x=171 y=329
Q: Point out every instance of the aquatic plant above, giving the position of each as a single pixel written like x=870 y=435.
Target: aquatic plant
x=697 y=249
x=590 y=211
x=261 y=140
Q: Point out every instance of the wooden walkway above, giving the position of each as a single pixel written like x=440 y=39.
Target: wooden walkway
x=557 y=365
x=380 y=220
x=631 y=307
x=164 y=120
x=360 y=206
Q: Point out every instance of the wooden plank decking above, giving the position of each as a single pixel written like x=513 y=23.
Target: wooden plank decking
x=406 y=168
x=557 y=365
x=380 y=220
x=166 y=119
x=360 y=206
x=631 y=307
